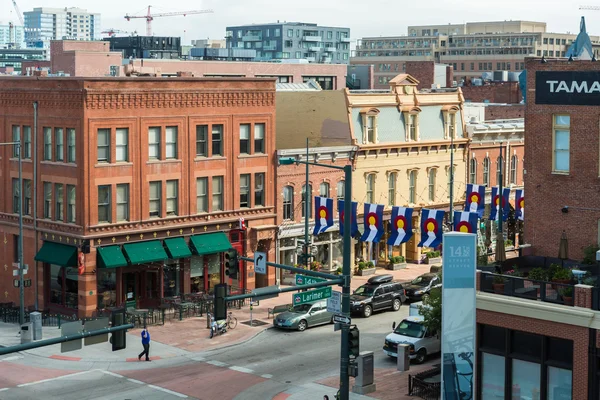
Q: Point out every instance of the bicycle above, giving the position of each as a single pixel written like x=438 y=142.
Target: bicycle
x=231 y=321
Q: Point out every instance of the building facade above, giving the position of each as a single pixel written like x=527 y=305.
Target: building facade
x=156 y=47
x=292 y=40
x=16 y=57
x=141 y=184
x=44 y=24
x=404 y=139
x=11 y=36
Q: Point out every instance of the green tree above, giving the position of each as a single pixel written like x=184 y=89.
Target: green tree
x=431 y=310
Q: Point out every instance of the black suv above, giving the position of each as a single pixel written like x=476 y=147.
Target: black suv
x=377 y=294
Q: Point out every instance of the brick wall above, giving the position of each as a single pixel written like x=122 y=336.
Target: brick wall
x=482 y=150
x=423 y=71
x=504 y=111
x=505 y=92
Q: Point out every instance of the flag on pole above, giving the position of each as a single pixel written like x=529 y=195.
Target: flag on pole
x=496 y=203
x=401 y=226
x=431 y=227
x=373 y=223
x=475 y=199
x=324 y=214
x=354 y=224
x=520 y=204
x=465 y=221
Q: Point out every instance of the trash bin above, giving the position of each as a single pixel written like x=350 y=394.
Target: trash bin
x=403 y=357
x=36 y=320
x=26 y=333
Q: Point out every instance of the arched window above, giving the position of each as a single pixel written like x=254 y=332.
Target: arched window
x=288 y=202
x=486 y=171
x=371 y=188
x=412 y=187
x=392 y=177
x=513 y=169
x=324 y=189
x=499 y=172
x=341 y=187
x=432 y=178
x=473 y=171
x=307 y=197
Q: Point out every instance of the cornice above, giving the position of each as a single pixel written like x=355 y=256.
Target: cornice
x=46 y=100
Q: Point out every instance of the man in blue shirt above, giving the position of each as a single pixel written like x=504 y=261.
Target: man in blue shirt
x=146 y=344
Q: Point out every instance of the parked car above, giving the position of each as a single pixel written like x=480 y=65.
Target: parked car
x=304 y=316
x=378 y=293
x=411 y=331
x=421 y=285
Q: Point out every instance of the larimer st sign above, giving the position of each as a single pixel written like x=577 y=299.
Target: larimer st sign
x=311 y=295
x=581 y=88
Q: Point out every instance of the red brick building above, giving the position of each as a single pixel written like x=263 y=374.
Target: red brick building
x=144 y=179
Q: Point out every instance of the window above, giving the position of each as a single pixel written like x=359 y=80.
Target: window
x=217 y=140
x=26 y=142
x=290 y=33
x=217 y=193
x=104 y=145
x=171 y=142
x=371 y=137
x=60 y=150
x=201 y=140
x=244 y=138
x=473 y=171
x=499 y=172
x=560 y=142
x=16 y=196
x=526 y=375
x=392 y=188
x=104 y=196
x=486 y=171
x=259 y=138
x=244 y=190
x=122 y=143
x=154 y=143
x=16 y=137
x=324 y=189
x=432 y=176
x=288 y=202
x=370 y=188
x=412 y=127
x=122 y=202
x=27 y=197
x=513 y=169
x=452 y=125
x=412 y=187
x=201 y=195
x=172 y=195
x=71 y=199
x=155 y=199
x=58 y=201
x=340 y=190
x=71 y=145
x=560 y=383
x=259 y=189
x=492 y=380
x=306 y=196
x=47 y=200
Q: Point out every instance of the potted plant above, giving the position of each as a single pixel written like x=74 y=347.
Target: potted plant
x=562 y=275
x=338 y=271
x=498 y=284
x=366 y=268
x=396 y=262
x=567 y=295
x=315 y=266
x=433 y=257
x=538 y=274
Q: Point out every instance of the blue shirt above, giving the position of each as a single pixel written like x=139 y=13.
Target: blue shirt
x=145 y=337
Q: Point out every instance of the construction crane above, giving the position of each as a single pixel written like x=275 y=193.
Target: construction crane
x=19 y=13
x=149 y=17
x=111 y=32
x=593 y=8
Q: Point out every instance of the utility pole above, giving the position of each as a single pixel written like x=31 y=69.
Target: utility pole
x=306 y=213
x=34 y=196
x=346 y=272
x=500 y=195
x=451 y=180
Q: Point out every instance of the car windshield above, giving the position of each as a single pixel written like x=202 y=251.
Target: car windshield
x=302 y=308
x=422 y=280
x=410 y=329
x=365 y=290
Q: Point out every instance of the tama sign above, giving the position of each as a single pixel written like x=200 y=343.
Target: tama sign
x=567 y=88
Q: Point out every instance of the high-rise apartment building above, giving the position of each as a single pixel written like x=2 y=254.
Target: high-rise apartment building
x=11 y=36
x=292 y=40
x=44 y=24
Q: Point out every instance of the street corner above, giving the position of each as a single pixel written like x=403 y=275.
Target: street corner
x=18 y=375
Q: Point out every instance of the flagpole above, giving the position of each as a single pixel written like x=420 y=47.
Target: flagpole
x=500 y=194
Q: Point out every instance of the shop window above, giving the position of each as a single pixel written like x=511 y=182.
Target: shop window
x=560 y=384
x=492 y=379
x=197 y=274
x=171 y=280
x=63 y=286
x=492 y=338
x=107 y=288
x=560 y=351
x=288 y=202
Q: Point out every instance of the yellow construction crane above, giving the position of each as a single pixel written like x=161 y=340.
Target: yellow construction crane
x=149 y=17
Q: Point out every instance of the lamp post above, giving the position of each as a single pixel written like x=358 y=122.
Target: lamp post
x=451 y=180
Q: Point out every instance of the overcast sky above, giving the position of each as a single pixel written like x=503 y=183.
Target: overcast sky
x=378 y=18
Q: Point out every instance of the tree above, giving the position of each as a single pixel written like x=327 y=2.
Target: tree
x=431 y=310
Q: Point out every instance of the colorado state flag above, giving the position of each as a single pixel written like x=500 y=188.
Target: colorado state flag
x=465 y=221
x=401 y=226
x=520 y=204
x=431 y=227
x=354 y=224
x=475 y=199
x=373 y=223
x=496 y=202
x=323 y=214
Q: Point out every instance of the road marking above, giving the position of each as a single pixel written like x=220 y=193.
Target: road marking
x=12 y=358
x=3 y=389
x=266 y=376
x=217 y=363
x=57 y=378
x=242 y=369
x=136 y=381
x=197 y=358
x=112 y=374
x=183 y=396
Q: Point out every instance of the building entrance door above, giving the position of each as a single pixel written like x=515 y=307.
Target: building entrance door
x=131 y=288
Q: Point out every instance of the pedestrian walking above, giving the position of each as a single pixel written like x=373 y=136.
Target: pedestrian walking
x=146 y=344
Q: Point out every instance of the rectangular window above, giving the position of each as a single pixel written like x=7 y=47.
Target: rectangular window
x=104 y=213
x=122 y=202
x=432 y=183
x=104 y=145
x=307 y=196
x=392 y=189
x=201 y=195
x=259 y=189
x=412 y=126
x=71 y=152
x=244 y=138
x=16 y=137
x=27 y=197
x=16 y=196
x=290 y=33
x=201 y=140
x=526 y=375
x=71 y=201
x=26 y=142
x=47 y=200
x=259 y=138
x=122 y=144
x=217 y=193
x=171 y=142
x=412 y=186
x=172 y=197
x=58 y=201
x=371 y=188
x=154 y=143
x=59 y=137
x=154 y=198
x=244 y=190
x=217 y=140
x=492 y=379
x=560 y=383
x=561 y=138
x=371 y=129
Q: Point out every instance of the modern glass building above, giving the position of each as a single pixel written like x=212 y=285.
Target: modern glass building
x=44 y=24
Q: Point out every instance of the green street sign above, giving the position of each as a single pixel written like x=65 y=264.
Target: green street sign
x=307 y=280
x=312 y=295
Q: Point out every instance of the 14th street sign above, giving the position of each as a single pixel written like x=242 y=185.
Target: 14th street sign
x=307 y=280
x=311 y=295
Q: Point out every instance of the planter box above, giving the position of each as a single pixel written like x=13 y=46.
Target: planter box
x=367 y=271
x=436 y=260
x=395 y=267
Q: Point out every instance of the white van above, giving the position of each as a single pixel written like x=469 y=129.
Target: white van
x=412 y=331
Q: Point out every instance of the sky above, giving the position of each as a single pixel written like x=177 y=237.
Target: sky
x=364 y=18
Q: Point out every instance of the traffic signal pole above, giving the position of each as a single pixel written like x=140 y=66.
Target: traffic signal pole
x=346 y=272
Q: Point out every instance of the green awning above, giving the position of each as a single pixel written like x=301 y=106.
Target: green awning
x=145 y=252
x=111 y=257
x=59 y=254
x=177 y=248
x=209 y=243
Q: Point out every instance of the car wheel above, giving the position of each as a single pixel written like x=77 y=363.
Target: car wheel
x=302 y=325
x=396 y=305
x=421 y=356
x=367 y=311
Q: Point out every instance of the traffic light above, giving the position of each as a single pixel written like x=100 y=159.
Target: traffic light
x=353 y=341
x=231 y=264
x=220 y=311
x=118 y=339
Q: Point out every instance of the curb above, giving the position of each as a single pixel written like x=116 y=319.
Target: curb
x=229 y=345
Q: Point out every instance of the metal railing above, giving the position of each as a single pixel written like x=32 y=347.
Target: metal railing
x=418 y=385
x=514 y=286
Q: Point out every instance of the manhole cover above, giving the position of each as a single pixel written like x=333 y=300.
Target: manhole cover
x=255 y=322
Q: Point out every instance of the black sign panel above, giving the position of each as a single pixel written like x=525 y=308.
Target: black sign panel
x=579 y=88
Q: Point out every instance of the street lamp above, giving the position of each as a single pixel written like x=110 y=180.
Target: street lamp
x=17 y=145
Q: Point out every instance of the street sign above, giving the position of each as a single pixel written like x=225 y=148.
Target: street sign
x=341 y=319
x=334 y=303
x=311 y=295
x=307 y=280
x=260 y=262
